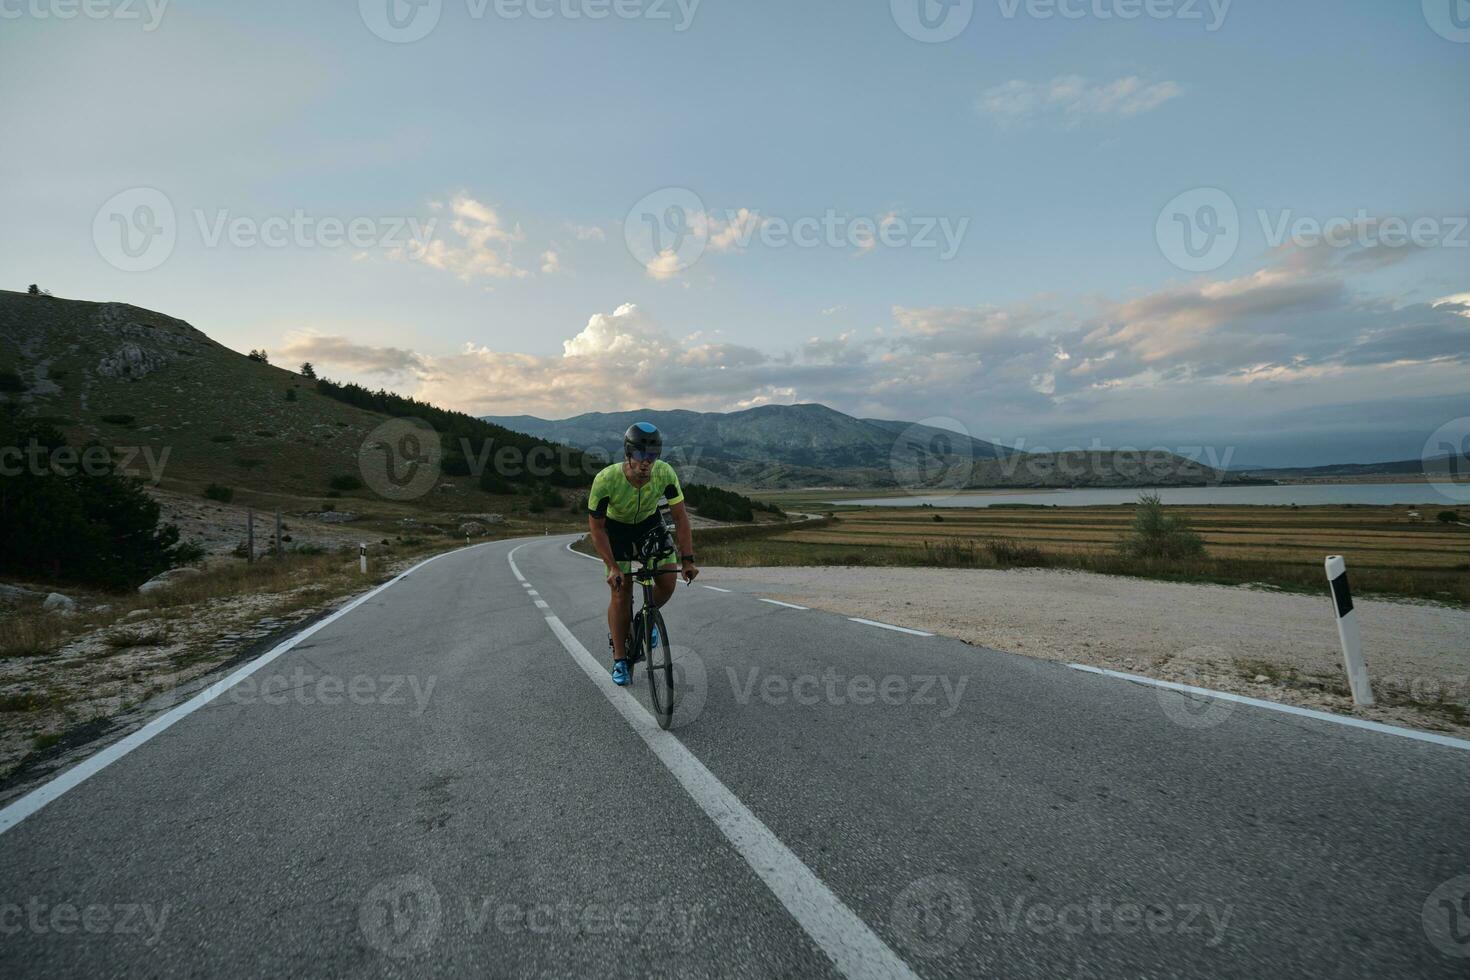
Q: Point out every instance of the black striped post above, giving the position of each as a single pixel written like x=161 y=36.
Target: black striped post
x=1348 y=632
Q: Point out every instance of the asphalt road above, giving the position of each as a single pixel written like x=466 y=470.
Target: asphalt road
x=441 y=781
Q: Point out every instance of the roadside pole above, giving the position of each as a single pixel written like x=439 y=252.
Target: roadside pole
x=250 y=534
x=362 y=556
x=278 y=535
x=1348 y=632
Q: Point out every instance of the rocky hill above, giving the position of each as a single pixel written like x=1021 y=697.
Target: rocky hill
x=795 y=446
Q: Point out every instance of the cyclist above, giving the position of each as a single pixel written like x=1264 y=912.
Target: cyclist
x=622 y=510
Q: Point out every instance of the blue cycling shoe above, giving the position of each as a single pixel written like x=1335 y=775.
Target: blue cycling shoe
x=653 y=638
x=620 y=673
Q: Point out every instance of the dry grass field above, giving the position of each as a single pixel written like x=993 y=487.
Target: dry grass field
x=1386 y=552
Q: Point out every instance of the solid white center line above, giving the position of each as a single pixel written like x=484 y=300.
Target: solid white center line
x=1291 y=709
x=714 y=588
x=778 y=602
x=854 y=949
x=887 y=626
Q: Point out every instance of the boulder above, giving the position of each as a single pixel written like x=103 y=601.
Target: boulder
x=472 y=528
x=165 y=579
x=56 y=602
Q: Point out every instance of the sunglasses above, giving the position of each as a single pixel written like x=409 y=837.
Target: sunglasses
x=643 y=457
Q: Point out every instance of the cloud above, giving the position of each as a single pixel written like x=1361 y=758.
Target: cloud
x=342 y=353
x=1288 y=336
x=482 y=249
x=1073 y=99
x=588 y=233
x=550 y=262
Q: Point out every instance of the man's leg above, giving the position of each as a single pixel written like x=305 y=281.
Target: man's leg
x=619 y=612
x=663 y=589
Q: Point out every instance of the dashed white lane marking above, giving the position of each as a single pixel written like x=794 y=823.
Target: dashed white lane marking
x=854 y=949
x=778 y=602
x=541 y=605
x=1291 y=709
x=714 y=588
x=40 y=796
x=532 y=592
x=889 y=626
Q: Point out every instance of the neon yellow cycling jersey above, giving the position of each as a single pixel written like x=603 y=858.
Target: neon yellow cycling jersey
x=618 y=500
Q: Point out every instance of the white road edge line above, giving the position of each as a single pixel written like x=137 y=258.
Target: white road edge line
x=73 y=777
x=579 y=554
x=714 y=588
x=1290 y=709
x=886 y=626
x=778 y=602
x=854 y=949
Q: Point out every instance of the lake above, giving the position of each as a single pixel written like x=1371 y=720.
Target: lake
x=1423 y=494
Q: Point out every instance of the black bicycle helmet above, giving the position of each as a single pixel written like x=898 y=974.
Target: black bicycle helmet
x=642 y=437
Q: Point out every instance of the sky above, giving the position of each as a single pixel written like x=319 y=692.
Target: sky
x=1048 y=223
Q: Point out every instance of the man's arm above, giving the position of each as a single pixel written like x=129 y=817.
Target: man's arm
x=684 y=538
x=597 y=528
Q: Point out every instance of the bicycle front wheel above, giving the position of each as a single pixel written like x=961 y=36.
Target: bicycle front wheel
x=660 y=662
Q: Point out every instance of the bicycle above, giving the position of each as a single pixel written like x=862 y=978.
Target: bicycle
x=638 y=645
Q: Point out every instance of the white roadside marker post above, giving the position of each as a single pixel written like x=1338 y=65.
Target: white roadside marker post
x=1348 y=632
x=362 y=556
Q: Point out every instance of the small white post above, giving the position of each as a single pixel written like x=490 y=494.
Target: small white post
x=1348 y=632
x=362 y=555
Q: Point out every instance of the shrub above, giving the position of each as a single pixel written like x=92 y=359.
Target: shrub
x=11 y=382
x=247 y=463
x=938 y=518
x=290 y=394
x=95 y=527
x=334 y=493
x=119 y=419
x=222 y=437
x=216 y=491
x=265 y=433
x=1012 y=554
x=1448 y=517
x=951 y=553
x=307 y=371
x=34 y=290
x=1159 y=534
x=259 y=355
x=345 y=481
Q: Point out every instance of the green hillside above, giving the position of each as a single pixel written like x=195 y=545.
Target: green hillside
x=194 y=412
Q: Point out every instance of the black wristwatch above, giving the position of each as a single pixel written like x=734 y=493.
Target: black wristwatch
x=688 y=558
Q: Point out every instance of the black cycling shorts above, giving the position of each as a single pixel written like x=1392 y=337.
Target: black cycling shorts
x=625 y=539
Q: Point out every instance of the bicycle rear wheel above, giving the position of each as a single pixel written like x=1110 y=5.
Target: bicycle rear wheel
x=660 y=663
